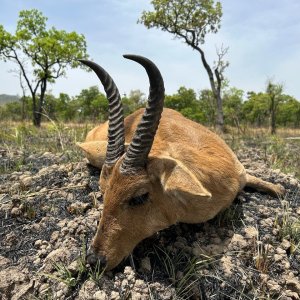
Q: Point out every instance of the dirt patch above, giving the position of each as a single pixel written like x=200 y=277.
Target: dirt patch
x=49 y=209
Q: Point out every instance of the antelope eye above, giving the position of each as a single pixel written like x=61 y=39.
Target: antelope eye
x=138 y=200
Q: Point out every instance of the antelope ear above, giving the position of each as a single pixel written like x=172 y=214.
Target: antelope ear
x=94 y=151
x=177 y=180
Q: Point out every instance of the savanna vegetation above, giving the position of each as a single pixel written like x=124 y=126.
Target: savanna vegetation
x=50 y=199
x=241 y=109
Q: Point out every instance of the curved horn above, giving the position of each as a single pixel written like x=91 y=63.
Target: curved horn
x=140 y=146
x=116 y=129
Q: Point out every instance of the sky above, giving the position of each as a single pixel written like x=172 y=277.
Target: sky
x=263 y=37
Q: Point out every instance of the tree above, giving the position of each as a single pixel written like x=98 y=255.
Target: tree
x=208 y=106
x=48 y=51
x=192 y=20
x=185 y=101
x=255 y=109
x=135 y=100
x=184 y=98
x=274 y=92
x=233 y=103
x=288 y=112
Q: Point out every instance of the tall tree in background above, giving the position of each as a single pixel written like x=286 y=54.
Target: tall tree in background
x=274 y=92
x=192 y=20
x=42 y=55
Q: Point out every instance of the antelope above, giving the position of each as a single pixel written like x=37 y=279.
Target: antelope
x=159 y=169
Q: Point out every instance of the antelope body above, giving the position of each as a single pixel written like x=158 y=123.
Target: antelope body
x=158 y=168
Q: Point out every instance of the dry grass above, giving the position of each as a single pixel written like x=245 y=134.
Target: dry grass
x=25 y=139
x=281 y=151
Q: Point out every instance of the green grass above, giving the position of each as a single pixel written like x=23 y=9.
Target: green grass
x=73 y=279
x=183 y=270
x=288 y=227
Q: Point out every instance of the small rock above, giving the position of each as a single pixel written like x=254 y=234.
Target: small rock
x=43 y=171
x=73 y=267
x=136 y=296
x=264 y=277
x=54 y=236
x=4 y=262
x=285 y=244
x=128 y=270
x=16 y=211
x=279 y=250
x=59 y=255
x=293 y=181
x=179 y=245
x=37 y=261
x=87 y=289
x=197 y=251
x=15 y=187
x=27 y=181
x=226 y=265
x=140 y=284
x=293 y=284
x=145 y=265
x=273 y=287
x=78 y=208
x=9 y=278
x=278 y=257
x=292 y=295
x=100 y=295
x=44 y=288
x=251 y=232
x=114 y=295
x=22 y=290
x=237 y=242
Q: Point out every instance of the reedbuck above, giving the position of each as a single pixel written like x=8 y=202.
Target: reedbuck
x=158 y=168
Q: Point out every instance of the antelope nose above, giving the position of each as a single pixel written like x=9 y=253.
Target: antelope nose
x=92 y=258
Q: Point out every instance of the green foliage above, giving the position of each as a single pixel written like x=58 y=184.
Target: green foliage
x=255 y=109
x=174 y=264
x=92 y=106
x=288 y=113
x=135 y=100
x=233 y=106
x=190 y=20
x=288 y=227
x=48 y=52
x=274 y=92
x=186 y=102
x=208 y=106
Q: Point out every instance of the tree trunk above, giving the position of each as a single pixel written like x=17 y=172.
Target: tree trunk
x=36 y=122
x=23 y=108
x=216 y=91
x=37 y=111
x=37 y=119
x=272 y=116
x=219 y=116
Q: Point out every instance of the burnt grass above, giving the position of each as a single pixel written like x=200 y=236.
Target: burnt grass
x=49 y=209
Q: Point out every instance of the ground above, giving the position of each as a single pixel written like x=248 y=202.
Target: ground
x=49 y=209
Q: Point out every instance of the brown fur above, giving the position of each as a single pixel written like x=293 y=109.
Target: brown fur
x=191 y=175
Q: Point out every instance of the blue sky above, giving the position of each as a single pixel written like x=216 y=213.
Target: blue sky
x=263 y=37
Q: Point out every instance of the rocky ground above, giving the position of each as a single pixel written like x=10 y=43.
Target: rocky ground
x=49 y=210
